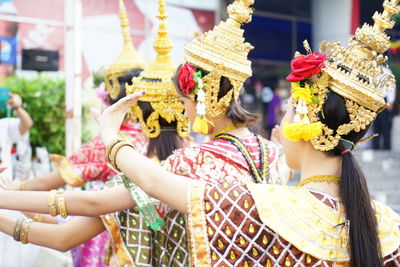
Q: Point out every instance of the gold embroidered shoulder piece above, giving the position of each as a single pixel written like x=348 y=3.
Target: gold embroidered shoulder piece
x=197 y=163
x=313 y=227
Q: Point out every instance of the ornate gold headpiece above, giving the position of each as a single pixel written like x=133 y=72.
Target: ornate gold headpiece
x=156 y=80
x=127 y=59
x=223 y=52
x=354 y=73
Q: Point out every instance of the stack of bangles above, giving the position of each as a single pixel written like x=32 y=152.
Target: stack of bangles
x=21 y=230
x=112 y=149
x=57 y=204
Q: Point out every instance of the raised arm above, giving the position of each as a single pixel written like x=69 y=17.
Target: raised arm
x=61 y=237
x=26 y=123
x=145 y=173
x=85 y=203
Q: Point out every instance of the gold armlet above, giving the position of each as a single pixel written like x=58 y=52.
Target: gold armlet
x=62 y=206
x=17 y=229
x=23 y=186
x=37 y=217
x=52 y=203
x=114 y=152
x=110 y=147
x=24 y=231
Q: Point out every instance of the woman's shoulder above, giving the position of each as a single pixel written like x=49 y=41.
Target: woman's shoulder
x=388 y=227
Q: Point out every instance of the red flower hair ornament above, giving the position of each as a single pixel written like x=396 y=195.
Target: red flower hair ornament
x=186 y=78
x=304 y=67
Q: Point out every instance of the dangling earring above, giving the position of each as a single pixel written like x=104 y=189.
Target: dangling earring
x=201 y=122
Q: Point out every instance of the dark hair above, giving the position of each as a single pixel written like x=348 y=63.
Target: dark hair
x=364 y=243
x=235 y=112
x=125 y=79
x=168 y=141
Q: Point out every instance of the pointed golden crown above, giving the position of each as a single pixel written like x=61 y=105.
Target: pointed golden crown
x=356 y=72
x=156 y=80
x=223 y=52
x=128 y=58
x=225 y=44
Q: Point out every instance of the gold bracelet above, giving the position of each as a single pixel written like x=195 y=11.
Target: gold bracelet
x=52 y=203
x=110 y=147
x=37 y=217
x=62 y=207
x=17 y=229
x=23 y=186
x=24 y=231
x=114 y=151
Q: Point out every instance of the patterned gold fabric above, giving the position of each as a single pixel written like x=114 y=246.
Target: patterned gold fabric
x=133 y=241
x=226 y=229
x=282 y=209
x=211 y=162
x=131 y=237
x=89 y=162
x=67 y=171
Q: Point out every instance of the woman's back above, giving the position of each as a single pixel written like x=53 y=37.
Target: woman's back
x=274 y=225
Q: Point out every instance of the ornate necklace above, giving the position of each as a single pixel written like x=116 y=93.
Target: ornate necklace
x=226 y=129
x=321 y=179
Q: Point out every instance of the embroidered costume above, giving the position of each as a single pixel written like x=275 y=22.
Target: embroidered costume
x=137 y=239
x=273 y=225
x=232 y=224
x=220 y=160
x=89 y=163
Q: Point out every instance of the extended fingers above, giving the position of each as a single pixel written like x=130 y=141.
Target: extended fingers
x=125 y=103
x=95 y=114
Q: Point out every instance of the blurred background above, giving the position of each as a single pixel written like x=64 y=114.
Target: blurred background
x=51 y=52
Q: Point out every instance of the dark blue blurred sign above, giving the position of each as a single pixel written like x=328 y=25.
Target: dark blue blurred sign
x=272 y=38
x=8 y=50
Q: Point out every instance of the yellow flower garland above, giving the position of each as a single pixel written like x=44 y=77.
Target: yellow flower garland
x=301 y=130
x=299 y=92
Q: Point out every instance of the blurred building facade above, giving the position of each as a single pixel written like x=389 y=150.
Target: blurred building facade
x=279 y=28
x=42 y=25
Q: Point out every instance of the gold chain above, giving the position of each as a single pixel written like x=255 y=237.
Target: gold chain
x=226 y=129
x=321 y=179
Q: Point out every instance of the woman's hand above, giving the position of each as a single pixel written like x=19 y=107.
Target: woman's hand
x=276 y=136
x=7 y=183
x=112 y=117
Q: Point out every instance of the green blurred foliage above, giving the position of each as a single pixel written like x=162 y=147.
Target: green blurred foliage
x=44 y=100
x=98 y=77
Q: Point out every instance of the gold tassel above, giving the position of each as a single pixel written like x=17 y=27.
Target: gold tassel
x=197 y=125
x=200 y=125
x=204 y=125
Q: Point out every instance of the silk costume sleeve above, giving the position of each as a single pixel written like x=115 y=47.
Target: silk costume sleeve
x=87 y=164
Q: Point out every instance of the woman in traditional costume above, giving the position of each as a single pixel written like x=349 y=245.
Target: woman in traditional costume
x=237 y=155
x=161 y=115
x=329 y=219
x=88 y=164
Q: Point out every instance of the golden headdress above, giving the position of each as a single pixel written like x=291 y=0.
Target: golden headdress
x=223 y=52
x=355 y=73
x=128 y=58
x=156 y=80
